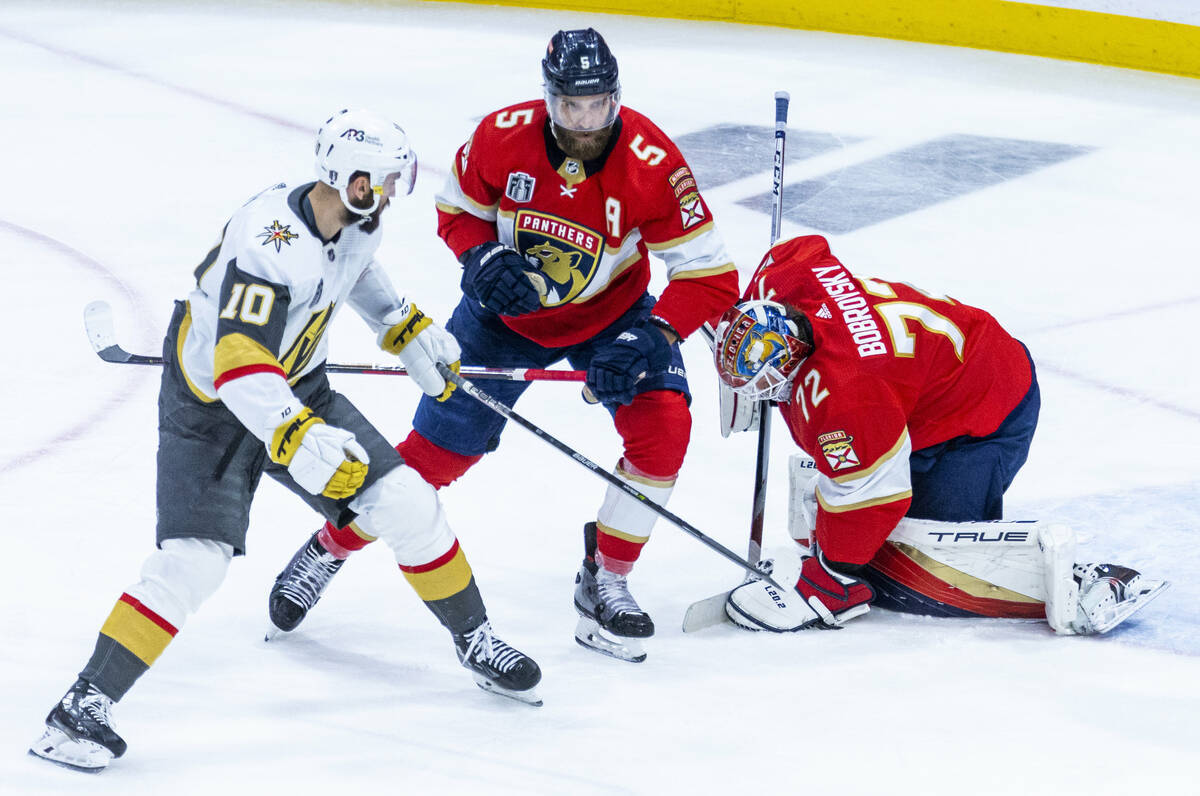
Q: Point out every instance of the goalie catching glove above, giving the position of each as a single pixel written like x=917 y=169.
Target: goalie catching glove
x=322 y=459
x=821 y=598
x=421 y=344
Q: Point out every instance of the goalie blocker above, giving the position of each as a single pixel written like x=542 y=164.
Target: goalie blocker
x=1021 y=570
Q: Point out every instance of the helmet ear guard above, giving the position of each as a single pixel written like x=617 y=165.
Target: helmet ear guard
x=358 y=141
x=759 y=347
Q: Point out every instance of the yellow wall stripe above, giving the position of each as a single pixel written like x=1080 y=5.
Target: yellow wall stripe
x=1027 y=28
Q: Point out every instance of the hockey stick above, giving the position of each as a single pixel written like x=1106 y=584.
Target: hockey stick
x=505 y=410
x=711 y=610
x=97 y=320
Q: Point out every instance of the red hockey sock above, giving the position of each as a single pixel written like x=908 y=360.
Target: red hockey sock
x=436 y=465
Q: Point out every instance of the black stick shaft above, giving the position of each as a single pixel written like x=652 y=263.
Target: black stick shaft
x=502 y=409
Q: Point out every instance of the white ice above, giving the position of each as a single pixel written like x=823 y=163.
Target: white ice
x=128 y=133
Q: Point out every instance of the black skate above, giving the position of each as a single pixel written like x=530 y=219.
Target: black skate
x=497 y=667
x=1109 y=594
x=610 y=620
x=298 y=588
x=79 y=731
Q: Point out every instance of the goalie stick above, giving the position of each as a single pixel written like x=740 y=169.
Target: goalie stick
x=507 y=411
x=98 y=322
x=711 y=610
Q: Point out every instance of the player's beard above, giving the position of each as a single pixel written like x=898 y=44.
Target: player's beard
x=582 y=145
x=367 y=224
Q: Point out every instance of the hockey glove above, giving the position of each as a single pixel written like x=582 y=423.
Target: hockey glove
x=501 y=280
x=821 y=598
x=421 y=344
x=322 y=459
x=615 y=369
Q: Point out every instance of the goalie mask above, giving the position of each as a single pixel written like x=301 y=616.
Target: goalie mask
x=354 y=141
x=759 y=347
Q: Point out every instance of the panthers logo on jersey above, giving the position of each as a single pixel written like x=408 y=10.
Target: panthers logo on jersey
x=567 y=254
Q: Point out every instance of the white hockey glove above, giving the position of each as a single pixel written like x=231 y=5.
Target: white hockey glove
x=421 y=344
x=322 y=459
x=738 y=413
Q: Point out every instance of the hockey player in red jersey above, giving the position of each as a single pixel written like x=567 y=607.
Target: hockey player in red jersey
x=552 y=207
x=912 y=405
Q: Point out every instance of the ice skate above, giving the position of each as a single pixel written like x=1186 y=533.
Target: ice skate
x=1109 y=594
x=79 y=733
x=497 y=667
x=301 y=584
x=610 y=620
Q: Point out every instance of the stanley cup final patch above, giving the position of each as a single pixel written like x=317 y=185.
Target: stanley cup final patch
x=838 y=450
x=520 y=186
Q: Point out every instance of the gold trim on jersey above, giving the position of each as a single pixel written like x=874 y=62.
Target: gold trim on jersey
x=883 y=459
x=180 y=336
x=453 y=210
x=238 y=351
x=620 y=268
x=700 y=273
x=970 y=584
x=298 y=356
x=700 y=230
x=572 y=176
x=628 y=537
x=865 y=504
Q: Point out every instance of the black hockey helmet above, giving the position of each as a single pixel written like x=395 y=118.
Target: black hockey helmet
x=579 y=63
x=582 y=90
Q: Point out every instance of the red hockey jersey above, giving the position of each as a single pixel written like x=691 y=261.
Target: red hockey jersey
x=895 y=369
x=588 y=225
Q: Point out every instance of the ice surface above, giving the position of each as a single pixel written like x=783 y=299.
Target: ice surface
x=131 y=131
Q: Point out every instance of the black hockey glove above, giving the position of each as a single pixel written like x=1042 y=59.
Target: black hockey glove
x=616 y=368
x=500 y=279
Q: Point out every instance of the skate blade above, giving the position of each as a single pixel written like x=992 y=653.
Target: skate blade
x=706 y=613
x=528 y=697
x=78 y=755
x=589 y=634
x=1123 y=610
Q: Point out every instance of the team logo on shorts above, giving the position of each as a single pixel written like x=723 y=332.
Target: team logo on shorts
x=520 y=186
x=838 y=450
x=278 y=234
x=567 y=254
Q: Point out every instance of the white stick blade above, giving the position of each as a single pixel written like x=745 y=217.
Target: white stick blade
x=98 y=321
x=706 y=613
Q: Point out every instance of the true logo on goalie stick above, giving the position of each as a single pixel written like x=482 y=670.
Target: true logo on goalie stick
x=520 y=186
x=838 y=450
x=278 y=234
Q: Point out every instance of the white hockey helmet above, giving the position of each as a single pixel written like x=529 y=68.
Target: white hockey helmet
x=759 y=347
x=353 y=141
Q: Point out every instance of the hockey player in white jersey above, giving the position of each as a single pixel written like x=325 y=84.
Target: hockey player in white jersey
x=244 y=391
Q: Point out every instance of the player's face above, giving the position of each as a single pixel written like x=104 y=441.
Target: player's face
x=582 y=146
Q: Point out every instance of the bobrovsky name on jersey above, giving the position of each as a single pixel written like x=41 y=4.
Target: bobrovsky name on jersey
x=856 y=312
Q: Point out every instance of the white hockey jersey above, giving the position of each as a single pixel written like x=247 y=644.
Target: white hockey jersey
x=264 y=297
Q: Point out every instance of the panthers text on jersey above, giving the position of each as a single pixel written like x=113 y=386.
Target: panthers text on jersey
x=588 y=225
x=265 y=295
x=895 y=369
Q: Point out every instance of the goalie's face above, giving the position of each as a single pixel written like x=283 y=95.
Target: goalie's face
x=758 y=350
